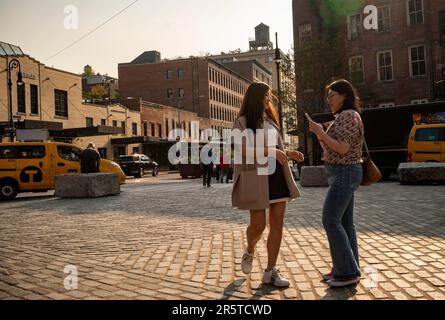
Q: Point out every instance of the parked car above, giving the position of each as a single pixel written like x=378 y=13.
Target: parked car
x=137 y=165
x=32 y=166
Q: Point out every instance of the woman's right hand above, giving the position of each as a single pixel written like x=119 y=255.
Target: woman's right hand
x=280 y=156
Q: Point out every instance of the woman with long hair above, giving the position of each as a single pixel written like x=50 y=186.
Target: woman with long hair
x=257 y=192
x=342 y=144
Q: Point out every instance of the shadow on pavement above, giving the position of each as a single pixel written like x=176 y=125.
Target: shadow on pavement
x=340 y=293
x=264 y=290
x=232 y=288
x=261 y=290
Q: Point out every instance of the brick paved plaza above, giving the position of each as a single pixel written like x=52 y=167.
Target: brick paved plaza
x=167 y=238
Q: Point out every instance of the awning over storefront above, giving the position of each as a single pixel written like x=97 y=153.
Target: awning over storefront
x=134 y=140
x=90 y=131
x=56 y=129
x=37 y=124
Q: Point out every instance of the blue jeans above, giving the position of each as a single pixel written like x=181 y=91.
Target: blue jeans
x=338 y=219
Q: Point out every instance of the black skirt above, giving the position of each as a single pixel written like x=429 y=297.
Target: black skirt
x=277 y=185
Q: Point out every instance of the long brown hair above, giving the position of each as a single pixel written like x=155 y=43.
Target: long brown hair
x=254 y=108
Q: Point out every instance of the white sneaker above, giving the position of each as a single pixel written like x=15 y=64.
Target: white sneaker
x=246 y=262
x=275 y=278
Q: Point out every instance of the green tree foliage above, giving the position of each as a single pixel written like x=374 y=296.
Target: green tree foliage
x=88 y=71
x=99 y=91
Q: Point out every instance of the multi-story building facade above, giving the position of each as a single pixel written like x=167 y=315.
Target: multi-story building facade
x=51 y=99
x=126 y=122
x=198 y=85
x=158 y=121
x=264 y=57
x=160 y=127
x=401 y=62
x=250 y=69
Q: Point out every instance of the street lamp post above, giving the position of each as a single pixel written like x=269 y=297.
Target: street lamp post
x=278 y=64
x=14 y=63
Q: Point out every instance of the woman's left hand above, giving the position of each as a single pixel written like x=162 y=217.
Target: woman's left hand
x=316 y=128
x=295 y=155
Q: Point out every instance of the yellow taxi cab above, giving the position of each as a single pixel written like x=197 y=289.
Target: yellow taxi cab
x=427 y=143
x=32 y=166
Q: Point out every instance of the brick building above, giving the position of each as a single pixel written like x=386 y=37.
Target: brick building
x=250 y=69
x=263 y=57
x=198 y=85
x=400 y=63
x=159 y=126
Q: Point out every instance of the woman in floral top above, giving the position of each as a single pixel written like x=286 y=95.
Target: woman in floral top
x=342 y=144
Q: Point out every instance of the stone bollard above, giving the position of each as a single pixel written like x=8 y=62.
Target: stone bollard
x=313 y=176
x=91 y=185
x=421 y=173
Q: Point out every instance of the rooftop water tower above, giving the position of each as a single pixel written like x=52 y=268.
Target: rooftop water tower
x=262 y=38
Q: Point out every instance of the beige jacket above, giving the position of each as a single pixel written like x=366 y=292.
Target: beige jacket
x=250 y=190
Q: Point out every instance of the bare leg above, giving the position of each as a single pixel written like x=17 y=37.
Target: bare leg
x=276 y=220
x=255 y=229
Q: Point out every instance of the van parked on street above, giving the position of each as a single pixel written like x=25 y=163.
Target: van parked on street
x=427 y=143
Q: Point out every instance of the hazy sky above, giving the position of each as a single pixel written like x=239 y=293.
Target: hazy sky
x=173 y=27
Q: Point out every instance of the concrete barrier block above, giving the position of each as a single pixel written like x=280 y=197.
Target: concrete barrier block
x=91 y=185
x=313 y=176
x=421 y=173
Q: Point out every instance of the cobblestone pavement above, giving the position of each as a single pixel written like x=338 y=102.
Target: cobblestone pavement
x=166 y=238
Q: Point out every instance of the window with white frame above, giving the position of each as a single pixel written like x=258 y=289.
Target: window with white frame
x=417 y=61
x=305 y=34
x=356 y=69
x=419 y=101
x=415 y=12
x=384 y=19
x=354 y=26
x=384 y=65
x=386 y=104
